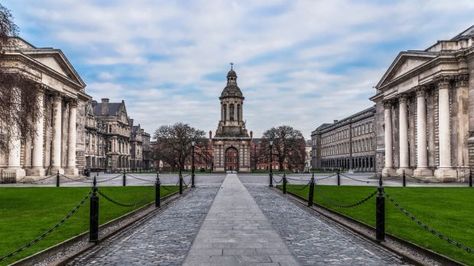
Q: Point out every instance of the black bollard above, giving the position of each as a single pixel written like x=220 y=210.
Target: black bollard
x=284 y=183
x=404 y=179
x=157 y=191
x=380 y=213
x=124 y=179
x=311 y=191
x=57 y=179
x=180 y=183
x=338 y=178
x=94 y=214
x=470 y=178
x=270 y=175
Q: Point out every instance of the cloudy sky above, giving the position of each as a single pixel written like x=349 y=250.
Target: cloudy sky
x=300 y=63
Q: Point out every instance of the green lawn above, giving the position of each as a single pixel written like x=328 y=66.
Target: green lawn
x=448 y=210
x=26 y=213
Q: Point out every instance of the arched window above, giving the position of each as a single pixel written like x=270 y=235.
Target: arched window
x=238 y=112
x=225 y=112
x=231 y=112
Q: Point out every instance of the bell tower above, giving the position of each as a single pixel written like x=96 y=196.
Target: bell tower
x=231 y=141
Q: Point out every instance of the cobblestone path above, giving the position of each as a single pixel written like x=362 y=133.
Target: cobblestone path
x=315 y=241
x=236 y=232
x=163 y=240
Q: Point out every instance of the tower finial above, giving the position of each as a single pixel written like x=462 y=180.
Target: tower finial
x=231 y=66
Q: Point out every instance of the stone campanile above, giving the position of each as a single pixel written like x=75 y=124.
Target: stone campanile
x=231 y=141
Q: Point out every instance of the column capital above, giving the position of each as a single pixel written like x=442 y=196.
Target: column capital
x=72 y=102
x=462 y=80
x=421 y=90
x=443 y=81
x=402 y=98
x=387 y=104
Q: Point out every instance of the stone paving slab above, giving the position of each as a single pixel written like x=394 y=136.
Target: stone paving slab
x=163 y=240
x=313 y=239
x=236 y=232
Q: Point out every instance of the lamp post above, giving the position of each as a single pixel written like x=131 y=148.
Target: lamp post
x=271 y=163
x=192 y=164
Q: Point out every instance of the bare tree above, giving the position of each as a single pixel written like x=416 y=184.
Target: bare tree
x=288 y=146
x=174 y=143
x=8 y=28
x=19 y=102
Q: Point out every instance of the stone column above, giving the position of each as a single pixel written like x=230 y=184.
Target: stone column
x=71 y=140
x=14 y=145
x=444 y=170
x=421 y=152
x=57 y=125
x=403 y=134
x=388 y=169
x=37 y=167
x=462 y=99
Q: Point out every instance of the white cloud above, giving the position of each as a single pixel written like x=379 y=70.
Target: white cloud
x=301 y=63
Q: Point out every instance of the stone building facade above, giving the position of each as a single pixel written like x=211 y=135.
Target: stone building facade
x=58 y=145
x=346 y=144
x=231 y=142
x=425 y=111
x=140 y=151
x=114 y=119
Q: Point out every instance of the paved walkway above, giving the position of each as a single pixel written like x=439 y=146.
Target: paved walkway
x=236 y=232
x=313 y=239
x=163 y=240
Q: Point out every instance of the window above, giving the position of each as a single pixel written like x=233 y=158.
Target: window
x=231 y=111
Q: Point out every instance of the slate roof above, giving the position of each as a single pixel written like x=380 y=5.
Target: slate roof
x=111 y=110
x=469 y=33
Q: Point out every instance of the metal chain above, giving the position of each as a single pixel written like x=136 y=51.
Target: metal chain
x=35 y=181
x=277 y=182
x=302 y=188
x=360 y=202
x=119 y=203
x=326 y=177
x=359 y=180
x=49 y=231
x=429 y=228
x=141 y=179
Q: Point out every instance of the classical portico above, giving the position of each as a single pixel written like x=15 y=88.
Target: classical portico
x=53 y=147
x=231 y=142
x=425 y=112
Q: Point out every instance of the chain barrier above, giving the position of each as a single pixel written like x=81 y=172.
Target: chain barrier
x=356 y=204
x=429 y=228
x=49 y=231
x=360 y=180
x=302 y=188
x=326 y=177
x=277 y=182
x=34 y=181
x=416 y=178
x=141 y=179
x=119 y=203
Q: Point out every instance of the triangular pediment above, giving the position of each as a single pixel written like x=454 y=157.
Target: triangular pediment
x=56 y=61
x=404 y=63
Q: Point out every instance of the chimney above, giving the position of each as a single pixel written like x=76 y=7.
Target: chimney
x=251 y=134
x=210 y=134
x=105 y=100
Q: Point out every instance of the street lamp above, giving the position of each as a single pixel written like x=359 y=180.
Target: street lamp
x=271 y=163
x=192 y=164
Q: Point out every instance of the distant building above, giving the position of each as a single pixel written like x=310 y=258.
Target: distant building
x=347 y=144
x=231 y=142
